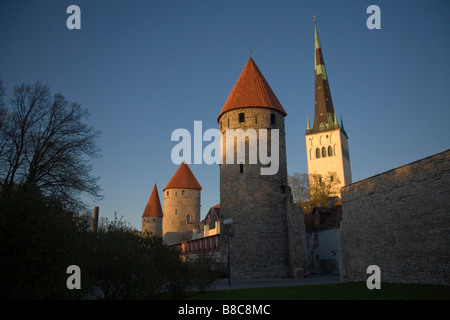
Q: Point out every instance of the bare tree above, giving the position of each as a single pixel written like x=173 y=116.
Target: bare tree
x=313 y=188
x=322 y=187
x=45 y=141
x=299 y=183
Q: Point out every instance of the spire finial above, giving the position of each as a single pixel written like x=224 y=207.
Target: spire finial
x=314 y=19
x=308 y=126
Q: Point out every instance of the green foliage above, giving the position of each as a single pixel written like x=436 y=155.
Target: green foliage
x=204 y=270
x=39 y=240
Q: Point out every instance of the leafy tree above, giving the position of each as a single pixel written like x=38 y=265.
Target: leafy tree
x=204 y=270
x=39 y=240
x=126 y=265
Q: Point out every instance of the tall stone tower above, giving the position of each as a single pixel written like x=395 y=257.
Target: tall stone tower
x=152 y=217
x=327 y=142
x=266 y=234
x=181 y=206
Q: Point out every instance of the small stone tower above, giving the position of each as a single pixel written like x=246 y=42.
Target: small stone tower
x=181 y=206
x=153 y=215
x=327 y=142
x=268 y=237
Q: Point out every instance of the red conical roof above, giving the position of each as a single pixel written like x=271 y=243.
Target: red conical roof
x=153 y=207
x=183 y=179
x=251 y=90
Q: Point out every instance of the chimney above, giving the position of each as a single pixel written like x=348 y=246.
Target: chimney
x=95 y=220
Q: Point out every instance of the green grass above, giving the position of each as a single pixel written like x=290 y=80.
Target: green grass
x=340 y=291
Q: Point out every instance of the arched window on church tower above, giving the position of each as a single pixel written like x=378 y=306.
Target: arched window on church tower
x=330 y=151
x=317 y=153
x=324 y=152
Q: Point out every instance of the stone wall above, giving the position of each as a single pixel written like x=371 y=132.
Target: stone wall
x=152 y=225
x=400 y=221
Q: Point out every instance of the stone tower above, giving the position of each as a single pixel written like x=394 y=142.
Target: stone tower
x=153 y=215
x=267 y=234
x=327 y=142
x=181 y=206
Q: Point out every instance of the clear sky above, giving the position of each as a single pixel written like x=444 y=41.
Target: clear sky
x=146 y=68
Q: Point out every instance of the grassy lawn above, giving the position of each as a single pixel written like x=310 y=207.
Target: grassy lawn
x=340 y=291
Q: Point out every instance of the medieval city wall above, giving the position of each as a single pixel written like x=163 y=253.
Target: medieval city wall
x=400 y=221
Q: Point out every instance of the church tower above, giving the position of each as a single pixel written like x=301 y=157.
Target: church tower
x=326 y=142
x=153 y=215
x=258 y=204
x=181 y=206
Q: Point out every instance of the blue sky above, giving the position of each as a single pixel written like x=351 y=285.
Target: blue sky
x=146 y=68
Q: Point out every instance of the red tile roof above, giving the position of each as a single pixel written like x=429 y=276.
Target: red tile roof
x=183 y=179
x=153 y=207
x=251 y=90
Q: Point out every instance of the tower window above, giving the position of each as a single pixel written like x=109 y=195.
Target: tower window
x=330 y=151
x=317 y=153
x=182 y=192
x=324 y=152
x=188 y=219
x=241 y=168
x=167 y=192
x=256 y=118
x=176 y=211
x=272 y=118
x=241 y=117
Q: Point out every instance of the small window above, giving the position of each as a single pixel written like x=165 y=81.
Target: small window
x=241 y=168
x=188 y=219
x=330 y=151
x=241 y=117
x=167 y=192
x=182 y=192
x=317 y=153
x=176 y=211
x=256 y=118
x=272 y=118
x=324 y=152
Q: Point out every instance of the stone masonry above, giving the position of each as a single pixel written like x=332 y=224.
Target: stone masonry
x=400 y=221
x=267 y=232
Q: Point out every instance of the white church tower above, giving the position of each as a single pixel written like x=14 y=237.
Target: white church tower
x=326 y=142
